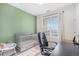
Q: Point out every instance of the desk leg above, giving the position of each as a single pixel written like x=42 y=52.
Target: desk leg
x=1 y=53
x=14 y=50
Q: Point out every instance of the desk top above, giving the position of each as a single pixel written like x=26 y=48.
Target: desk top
x=8 y=46
x=66 y=49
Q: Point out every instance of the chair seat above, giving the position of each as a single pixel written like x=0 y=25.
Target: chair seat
x=47 y=48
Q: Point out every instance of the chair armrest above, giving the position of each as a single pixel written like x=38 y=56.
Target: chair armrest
x=53 y=42
x=76 y=43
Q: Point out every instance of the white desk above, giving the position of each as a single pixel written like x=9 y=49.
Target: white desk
x=7 y=47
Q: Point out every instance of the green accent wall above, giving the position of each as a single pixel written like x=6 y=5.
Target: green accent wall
x=13 y=20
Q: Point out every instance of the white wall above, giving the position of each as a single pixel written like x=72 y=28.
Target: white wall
x=69 y=21
x=77 y=18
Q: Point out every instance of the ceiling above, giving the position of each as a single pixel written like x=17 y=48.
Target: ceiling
x=37 y=9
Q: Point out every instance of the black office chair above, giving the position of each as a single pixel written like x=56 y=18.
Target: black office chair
x=45 y=50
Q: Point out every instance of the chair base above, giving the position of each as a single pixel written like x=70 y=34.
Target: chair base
x=45 y=54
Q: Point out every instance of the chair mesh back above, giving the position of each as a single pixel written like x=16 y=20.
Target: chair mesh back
x=44 y=39
x=39 y=39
